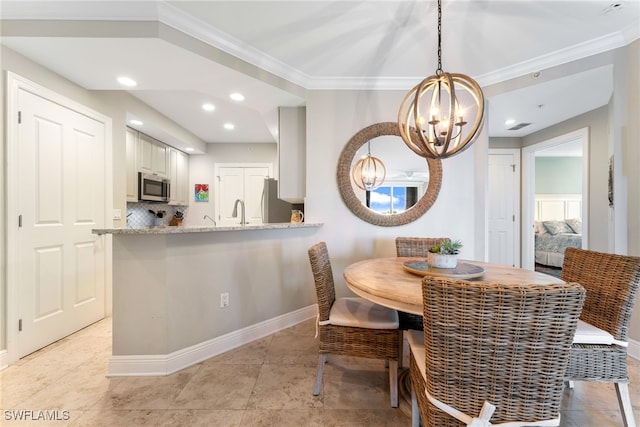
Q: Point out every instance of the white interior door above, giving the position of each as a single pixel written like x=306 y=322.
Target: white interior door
x=253 y=188
x=61 y=197
x=504 y=199
x=244 y=182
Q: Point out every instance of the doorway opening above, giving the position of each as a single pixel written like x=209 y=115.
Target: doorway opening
x=554 y=199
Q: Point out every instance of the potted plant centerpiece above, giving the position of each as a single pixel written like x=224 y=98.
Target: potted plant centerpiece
x=444 y=255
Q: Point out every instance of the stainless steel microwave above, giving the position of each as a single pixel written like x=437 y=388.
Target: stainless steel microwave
x=152 y=188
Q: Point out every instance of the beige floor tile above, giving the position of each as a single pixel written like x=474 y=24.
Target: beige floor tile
x=145 y=392
x=587 y=417
x=201 y=418
x=293 y=349
x=265 y=383
x=218 y=386
x=283 y=417
x=38 y=418
x=253 y=353
x=284 y=387
x=357 y=389
x=119 y=418
x=80 y=389
x=365 y=418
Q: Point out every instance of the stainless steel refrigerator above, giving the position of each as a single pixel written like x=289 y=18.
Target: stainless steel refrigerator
x=274 y=209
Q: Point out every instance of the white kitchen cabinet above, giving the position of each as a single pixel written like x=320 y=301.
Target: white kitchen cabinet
x=152 y=156
x=132 y=167
x=178 y=177
x=292 y=124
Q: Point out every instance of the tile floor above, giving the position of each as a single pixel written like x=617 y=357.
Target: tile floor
x=265 y=383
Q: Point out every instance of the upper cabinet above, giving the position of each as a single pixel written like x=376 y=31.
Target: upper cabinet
x=148 y=155
x=152 y=156
x=292 y=123
x=178 y=177
x=132 y=167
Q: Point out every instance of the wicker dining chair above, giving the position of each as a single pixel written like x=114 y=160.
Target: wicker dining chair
x=414 y=247
x=505 y=344
x=612 y=284
x=352 y=326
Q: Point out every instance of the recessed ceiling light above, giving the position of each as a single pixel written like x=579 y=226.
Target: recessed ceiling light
x=237 y=96
x=229 y=126
x=127 y=81
x=616 y=5
x=189 y=149
x=208 y=107
x=509 y=122
x=136 y=122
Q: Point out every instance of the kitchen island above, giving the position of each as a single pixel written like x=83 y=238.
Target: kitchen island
x=169 y=283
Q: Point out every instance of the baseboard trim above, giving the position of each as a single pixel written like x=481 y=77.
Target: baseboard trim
x=4 y=359
x=158 y=365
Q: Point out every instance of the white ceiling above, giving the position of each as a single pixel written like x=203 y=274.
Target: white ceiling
x=274 y=51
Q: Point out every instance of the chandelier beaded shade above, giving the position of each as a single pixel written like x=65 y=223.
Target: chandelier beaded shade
x=369 y=172
x=433 y=115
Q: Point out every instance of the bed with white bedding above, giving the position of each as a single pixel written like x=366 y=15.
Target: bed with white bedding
x=552 y=238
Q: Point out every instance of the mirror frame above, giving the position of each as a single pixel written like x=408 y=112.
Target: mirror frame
x=355 y=205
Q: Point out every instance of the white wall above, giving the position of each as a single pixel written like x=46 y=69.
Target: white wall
x=333 y=117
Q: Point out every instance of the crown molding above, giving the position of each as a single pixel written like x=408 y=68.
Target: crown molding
x=191 y=26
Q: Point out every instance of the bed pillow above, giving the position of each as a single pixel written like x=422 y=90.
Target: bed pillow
x=575 y=224
x=538 y=228
x=555 y=227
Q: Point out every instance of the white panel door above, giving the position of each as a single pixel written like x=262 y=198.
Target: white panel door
x=61 y=272
x=253 y=188
x=230 y=188
x=503 y=182
x=246 y=184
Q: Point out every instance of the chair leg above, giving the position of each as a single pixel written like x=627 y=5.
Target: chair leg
x=393 y=382
x=622 y=391
x=401 y=349
x=415 y=411
x=322 y=359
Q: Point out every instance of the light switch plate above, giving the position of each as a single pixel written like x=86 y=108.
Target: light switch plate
x=117 y=214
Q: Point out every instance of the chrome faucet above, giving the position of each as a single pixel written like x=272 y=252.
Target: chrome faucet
x=235 y=211
x=214 y=221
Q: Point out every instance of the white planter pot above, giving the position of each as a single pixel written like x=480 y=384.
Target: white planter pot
x=442 y=261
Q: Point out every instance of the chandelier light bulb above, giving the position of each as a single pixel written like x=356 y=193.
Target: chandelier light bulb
x=369 y=172
x=449 y=100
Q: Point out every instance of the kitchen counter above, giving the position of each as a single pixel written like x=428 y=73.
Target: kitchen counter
x=169 y=282
x=202 y=229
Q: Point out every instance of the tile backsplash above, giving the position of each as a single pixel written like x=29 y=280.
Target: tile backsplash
x=138 y=215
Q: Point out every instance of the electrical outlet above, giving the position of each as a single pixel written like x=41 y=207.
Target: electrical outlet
x=117 y=214
x=224 y=299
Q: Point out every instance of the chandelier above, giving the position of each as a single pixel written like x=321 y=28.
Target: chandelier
x=369 y=172
x=433 y=115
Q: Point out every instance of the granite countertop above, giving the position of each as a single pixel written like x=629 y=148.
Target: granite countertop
x=202 y=229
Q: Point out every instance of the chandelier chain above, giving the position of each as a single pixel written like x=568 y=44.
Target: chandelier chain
x=439 y=69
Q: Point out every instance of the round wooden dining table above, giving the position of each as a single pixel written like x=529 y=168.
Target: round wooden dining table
x=397 y=283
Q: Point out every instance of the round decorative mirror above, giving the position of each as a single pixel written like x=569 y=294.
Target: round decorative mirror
x=410 y=187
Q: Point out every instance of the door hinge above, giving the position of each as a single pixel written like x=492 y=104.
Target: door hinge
x=19 y=325
x=513 y=167
x=19 y=117
x=514 y=218
x=19 y=220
